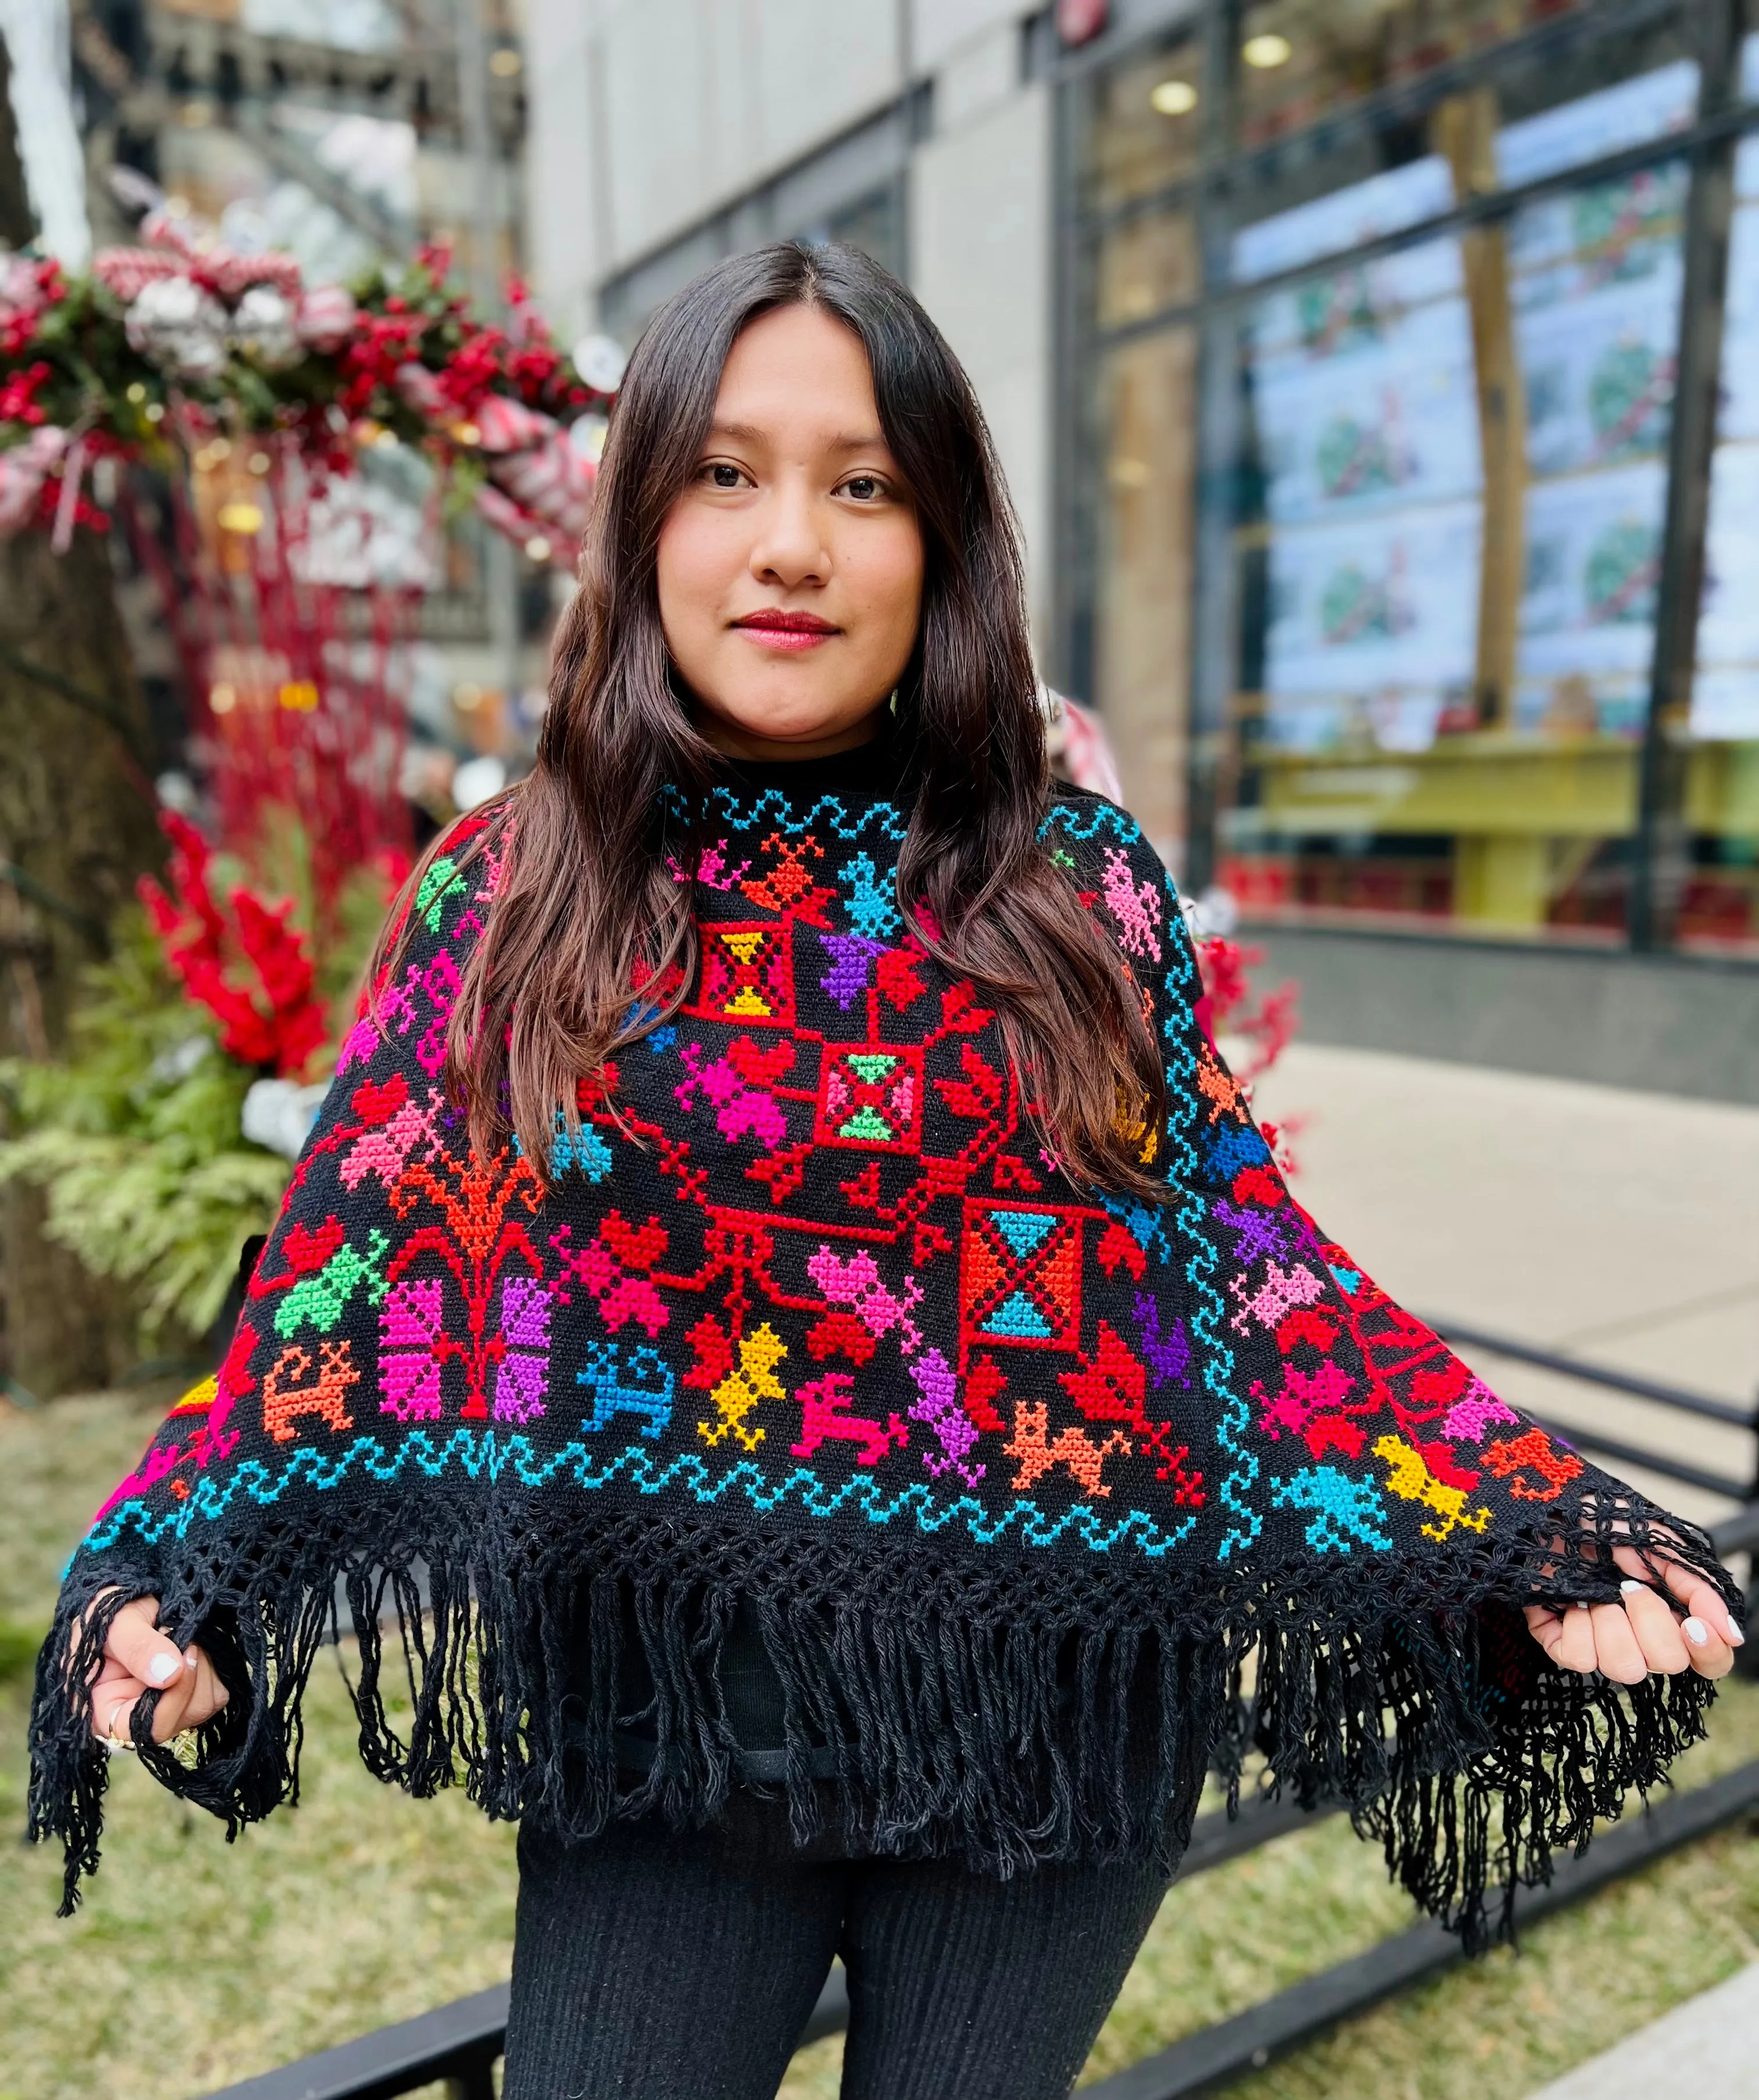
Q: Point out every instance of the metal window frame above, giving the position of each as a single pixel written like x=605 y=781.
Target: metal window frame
x=1658 y=842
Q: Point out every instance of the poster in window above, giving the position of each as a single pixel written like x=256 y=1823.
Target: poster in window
x=1597 y=372
x=1593 y=562
x=1397 y=424
x=1373 y=604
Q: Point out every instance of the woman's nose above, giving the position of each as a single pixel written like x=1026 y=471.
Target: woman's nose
x=789 y=547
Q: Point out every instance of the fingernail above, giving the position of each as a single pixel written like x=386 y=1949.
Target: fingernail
x=189 y=1658
x=162 y=1669
x=1628 y=1587
x=1737 y=1638
x=1695 y=1631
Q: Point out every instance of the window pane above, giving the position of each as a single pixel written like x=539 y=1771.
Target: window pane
x=1450 y=534
x=1304 y=59
x=1143 y=612
x=1719 y=906
x=1146 y=264
x=1146 y=123
x=1595 y=283
x=871 y=224
x=1361 y=571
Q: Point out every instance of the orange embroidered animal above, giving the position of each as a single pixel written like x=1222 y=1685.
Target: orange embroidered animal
x=1074 y=1450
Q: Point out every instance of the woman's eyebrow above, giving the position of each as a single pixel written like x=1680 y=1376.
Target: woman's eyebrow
x=750 y=433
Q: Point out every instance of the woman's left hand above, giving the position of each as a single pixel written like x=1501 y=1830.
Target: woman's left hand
x=1625 y=1642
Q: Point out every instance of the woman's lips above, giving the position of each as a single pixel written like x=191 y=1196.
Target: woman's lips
x=792 y=631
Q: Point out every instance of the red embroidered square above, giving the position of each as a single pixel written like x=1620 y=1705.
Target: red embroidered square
x=1020 y=1276
x=748 y=975
x=869 y=1095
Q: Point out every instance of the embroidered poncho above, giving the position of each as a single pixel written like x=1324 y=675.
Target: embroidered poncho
x=1042 y=1503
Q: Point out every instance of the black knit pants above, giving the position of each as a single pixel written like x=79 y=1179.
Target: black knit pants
x=650 y=1965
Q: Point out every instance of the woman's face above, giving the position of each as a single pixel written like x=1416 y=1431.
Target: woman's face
x=790 y=568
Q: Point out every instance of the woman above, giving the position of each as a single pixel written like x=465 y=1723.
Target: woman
x=787 y=1311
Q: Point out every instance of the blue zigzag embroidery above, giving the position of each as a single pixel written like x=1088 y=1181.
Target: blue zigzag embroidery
x=772 y=806
x=499 y=1456
x=1233 y=1419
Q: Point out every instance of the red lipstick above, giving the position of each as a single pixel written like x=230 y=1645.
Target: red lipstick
x=776 y=629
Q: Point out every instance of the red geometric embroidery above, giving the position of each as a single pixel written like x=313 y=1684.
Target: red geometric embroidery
x=1020 y=1276
x=747 y=974
x=870 y=1097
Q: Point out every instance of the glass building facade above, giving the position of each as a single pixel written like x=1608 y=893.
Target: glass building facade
x=1410 y=459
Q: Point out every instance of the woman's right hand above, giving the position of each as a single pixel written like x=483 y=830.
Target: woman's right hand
x=138 y=1658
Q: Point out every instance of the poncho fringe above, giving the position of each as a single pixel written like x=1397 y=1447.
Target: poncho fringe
x=1002 y=1680
x=948 y=1735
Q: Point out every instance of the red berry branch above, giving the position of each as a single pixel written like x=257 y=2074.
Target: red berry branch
x=274 y=1021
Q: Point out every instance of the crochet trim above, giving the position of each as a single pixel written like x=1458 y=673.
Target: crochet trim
x=1006 y=1713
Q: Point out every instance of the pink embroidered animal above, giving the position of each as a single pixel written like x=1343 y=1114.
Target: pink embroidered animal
x=1077 y=1452
x=853 y=1280
x=1281 y=1292
x=1135 y=905
x=1472 y=1416
x=939 y=1407
x=822 y=1402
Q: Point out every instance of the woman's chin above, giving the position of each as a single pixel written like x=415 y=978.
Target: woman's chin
x=786 y=733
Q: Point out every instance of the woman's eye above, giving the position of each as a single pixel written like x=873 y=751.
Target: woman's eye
x=864 y=487
x=723 y=476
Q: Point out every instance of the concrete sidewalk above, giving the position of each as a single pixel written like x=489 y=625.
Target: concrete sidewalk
x=1620 y=1226
x=1709 y=2048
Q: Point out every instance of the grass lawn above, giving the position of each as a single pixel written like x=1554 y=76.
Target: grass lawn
x=191 y=1963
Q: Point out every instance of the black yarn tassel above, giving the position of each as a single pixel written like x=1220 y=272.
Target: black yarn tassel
x=953 y=1720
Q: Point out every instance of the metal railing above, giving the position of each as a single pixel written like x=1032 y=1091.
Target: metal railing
x=460 y=2042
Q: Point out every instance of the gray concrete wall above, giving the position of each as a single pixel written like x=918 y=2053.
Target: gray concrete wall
x=1675 y=1024
x=980 y=262
x=648 y=114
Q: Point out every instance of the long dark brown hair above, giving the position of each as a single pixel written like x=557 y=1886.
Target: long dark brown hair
x=586 y=909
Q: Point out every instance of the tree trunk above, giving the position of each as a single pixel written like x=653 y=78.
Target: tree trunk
x=77 y=826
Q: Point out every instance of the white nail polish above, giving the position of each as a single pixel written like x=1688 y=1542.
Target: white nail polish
x=1695 y=1631
x=1630 y=1587
x=162 y=1669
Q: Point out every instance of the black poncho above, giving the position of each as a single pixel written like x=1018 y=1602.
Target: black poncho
x=1039 y=1504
